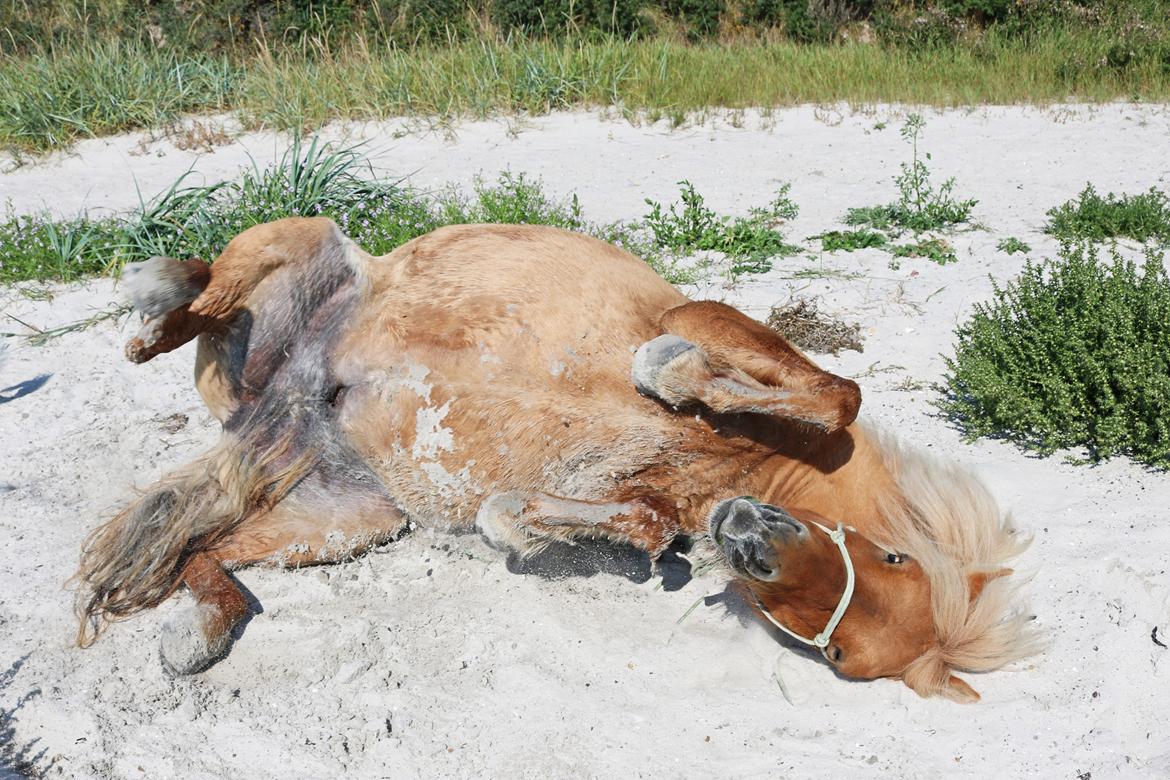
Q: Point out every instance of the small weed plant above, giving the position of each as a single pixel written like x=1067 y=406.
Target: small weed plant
x=851 y=240
x=750 y=242
x=921 y=206
x=1012 y=245
x=1089 y=216
x=1075 y=353
x=936 y=250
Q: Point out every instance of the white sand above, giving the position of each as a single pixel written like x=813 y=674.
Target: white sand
x=437 y=657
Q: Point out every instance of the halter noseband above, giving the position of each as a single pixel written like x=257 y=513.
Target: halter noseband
x=821 y=640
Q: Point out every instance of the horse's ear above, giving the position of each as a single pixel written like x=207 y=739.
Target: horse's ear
x=958 y=690
x=977 y=580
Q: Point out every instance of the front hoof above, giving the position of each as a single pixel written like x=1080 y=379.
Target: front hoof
x=498 y=520
x=191 y=640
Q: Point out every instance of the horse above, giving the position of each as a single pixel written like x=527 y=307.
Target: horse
x=539 y=386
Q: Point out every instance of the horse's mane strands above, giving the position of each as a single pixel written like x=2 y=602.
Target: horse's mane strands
x=947 y=519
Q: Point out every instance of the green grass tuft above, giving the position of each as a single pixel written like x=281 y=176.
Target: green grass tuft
x=1142 y=217
x=310 y=179
x=1073 y=353
x=53 y=94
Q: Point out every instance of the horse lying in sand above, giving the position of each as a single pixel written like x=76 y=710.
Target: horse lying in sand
x=540 y=386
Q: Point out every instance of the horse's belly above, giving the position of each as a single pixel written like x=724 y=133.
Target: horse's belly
x=445 y=436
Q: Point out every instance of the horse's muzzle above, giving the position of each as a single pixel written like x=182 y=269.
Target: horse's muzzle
x=750 y=535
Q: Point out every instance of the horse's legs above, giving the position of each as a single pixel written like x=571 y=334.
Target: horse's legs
x=720 y=357
x=528 y=522
x=302 y=533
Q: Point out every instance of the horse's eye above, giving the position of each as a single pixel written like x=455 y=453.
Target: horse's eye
x=895 y=558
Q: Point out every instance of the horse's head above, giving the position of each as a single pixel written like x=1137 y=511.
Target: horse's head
x=866 y=607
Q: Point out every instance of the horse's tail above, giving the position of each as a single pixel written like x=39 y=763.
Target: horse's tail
x=135 y=561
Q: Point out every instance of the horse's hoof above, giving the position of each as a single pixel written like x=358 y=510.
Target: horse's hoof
x=184 y=647
x=653 y=359
x=498 y=520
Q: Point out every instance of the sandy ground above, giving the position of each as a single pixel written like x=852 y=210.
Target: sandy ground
x=439 y=657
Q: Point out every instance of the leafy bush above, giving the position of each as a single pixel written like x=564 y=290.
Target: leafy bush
x=701 y=17
x=1142 y=217
x=610 y=17
x=1073 y=353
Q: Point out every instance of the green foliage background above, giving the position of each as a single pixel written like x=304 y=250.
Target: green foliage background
x=216 y=25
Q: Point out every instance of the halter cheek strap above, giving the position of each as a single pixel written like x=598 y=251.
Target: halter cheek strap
x=821 y=640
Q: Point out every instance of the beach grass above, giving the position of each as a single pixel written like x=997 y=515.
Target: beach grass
x=379 y=212
x=54 y=95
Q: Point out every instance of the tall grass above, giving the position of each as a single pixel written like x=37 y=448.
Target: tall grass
x=55 y=95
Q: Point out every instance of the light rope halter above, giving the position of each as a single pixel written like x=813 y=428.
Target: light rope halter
x=821 y=640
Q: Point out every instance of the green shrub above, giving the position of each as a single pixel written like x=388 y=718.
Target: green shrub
x=701 y=17
x=555 y=17
x=1142 y=217
x=1073 y=353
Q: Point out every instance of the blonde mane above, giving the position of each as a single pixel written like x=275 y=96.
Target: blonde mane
x=947 y=519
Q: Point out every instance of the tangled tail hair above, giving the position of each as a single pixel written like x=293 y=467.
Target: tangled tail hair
x=135 y=561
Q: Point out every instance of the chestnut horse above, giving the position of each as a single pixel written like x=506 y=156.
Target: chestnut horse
x=538 y=385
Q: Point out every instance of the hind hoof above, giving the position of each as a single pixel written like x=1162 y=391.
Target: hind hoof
x=185 y=648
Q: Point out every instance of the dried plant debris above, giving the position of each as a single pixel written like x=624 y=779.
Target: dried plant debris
x=800 y=322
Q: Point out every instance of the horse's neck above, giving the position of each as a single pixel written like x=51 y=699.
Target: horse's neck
x=853 y=493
